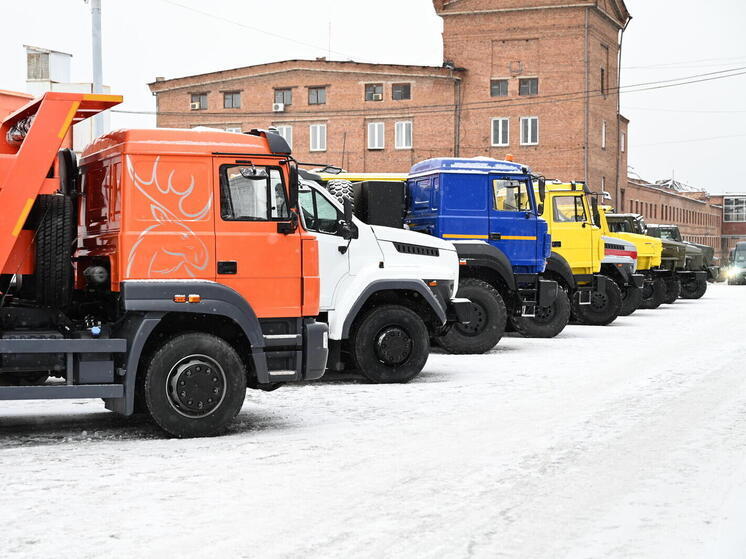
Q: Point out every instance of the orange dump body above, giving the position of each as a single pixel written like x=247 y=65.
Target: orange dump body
x=152 y=209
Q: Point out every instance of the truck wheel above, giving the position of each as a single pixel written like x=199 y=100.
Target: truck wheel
x=631 y=299
x=673 y=290
x=195 y=385
x=390 y=344
x=653 y=294
x=54 y=239
x=693 y=289
x=487 y=326
x=341 y=189
x=548 y=322
x=604 y=307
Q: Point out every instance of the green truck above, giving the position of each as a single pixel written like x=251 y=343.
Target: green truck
x=699 y=258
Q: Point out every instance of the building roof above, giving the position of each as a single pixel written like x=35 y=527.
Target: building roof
x=318 y=64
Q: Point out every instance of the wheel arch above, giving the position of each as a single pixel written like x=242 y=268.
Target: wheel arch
x=560 y=268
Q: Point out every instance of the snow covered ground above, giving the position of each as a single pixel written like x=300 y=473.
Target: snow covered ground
x=623 y=441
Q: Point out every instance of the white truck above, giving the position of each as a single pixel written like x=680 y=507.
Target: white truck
x=394 y=286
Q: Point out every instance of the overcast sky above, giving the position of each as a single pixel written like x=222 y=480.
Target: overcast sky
x=695 y=132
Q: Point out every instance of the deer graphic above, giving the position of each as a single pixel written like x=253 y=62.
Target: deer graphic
x=168 y=247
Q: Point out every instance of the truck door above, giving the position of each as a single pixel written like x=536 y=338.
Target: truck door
x=252 y=255
x=512 y=220
x=321 y=218
x=572 y=232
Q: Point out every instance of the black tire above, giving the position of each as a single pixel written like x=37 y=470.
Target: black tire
x=653 y=294
x=693 y=289
x=390 y=344
x=488 y=320
x=205 y=368
x=341 y=189
x=673 y=290
x=548 y=322
x=631 y=299
x=54 y=240
x=604 y=307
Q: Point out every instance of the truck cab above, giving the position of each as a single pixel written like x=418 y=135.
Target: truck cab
x=736 y=272
x=698 y=258
x=489 y=210
x=398 y=282
x=578 y=251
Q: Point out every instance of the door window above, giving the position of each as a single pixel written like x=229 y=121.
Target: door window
x=568 y=209
x=510 y=195
x=252 y=193
x=319 y=214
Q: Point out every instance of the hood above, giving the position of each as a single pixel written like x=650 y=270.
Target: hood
x=410 y=237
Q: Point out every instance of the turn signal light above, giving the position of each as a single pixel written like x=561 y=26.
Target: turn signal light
x=194 y=298
x=180 y=298
x=433 y=283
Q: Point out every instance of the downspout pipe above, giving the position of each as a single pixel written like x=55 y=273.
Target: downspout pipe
x=618 y=195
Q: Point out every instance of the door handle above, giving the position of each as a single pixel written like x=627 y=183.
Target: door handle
x=556 y=243
x=495 y=236
x=228 y=267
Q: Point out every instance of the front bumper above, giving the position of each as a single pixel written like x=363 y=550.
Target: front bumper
x=534 y=292
x=637 y=280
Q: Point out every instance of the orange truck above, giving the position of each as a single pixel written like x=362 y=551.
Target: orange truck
x=166 y=271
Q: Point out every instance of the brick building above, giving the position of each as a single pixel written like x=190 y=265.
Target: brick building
x=534 y=78
x=734 y=220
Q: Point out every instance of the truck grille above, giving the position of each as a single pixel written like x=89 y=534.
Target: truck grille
x=416 y=249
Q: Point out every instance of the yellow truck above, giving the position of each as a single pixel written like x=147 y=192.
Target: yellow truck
x=578 y=251
x=649 y=256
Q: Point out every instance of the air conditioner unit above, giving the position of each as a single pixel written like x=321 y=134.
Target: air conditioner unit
x=195 y=106
x=378 y=97
x=278 y=107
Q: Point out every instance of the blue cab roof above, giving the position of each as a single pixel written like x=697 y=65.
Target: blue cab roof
x=467 y=165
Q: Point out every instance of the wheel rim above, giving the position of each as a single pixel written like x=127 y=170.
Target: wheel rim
x=599 y=300
x=476 y=324
x=196 y=386
x=544 y=314
x=393 y=345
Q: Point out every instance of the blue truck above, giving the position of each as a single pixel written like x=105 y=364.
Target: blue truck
x=489 y=210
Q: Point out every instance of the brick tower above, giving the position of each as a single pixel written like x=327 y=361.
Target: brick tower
x=540 y=82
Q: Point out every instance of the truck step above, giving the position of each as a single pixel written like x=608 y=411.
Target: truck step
x=283 y=340
x=61 y=392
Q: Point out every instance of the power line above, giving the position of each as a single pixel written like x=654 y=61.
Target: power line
x=475 y=105
x=692 y=141
x=255 y=29
x=703 y=111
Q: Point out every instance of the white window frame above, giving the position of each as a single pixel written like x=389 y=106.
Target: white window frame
x=400 y=134
x=524 y=141
x=286 y=131
x=603 y=134
x=234 y=129
x=376 y=135
x=622 y=142
x=317 y=132
x=504 y=127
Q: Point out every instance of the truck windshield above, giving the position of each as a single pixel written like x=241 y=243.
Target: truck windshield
x=740 y=257
x=619 y=227
x=668 y=234
x=511 y=195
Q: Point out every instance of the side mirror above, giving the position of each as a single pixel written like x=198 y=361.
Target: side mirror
x=294 y=185
x=542 y=191
x=540 y=208
x=347 y=205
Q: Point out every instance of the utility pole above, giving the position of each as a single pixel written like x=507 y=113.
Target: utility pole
x=98 y=78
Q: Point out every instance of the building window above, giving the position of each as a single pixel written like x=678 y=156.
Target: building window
x=603 y=184
x=529 y=130
x=499 y=88
x=234 y=129
x=286 y=131
x=374 y=92
x=528 y=86
x=401 y=91
x=199 y=101
x=622 y=142
x=316 y=95
x=232 y=100
x=603 y=82
x=500 y=132
x=403 y=133
x=603 y=135
x=284 y=96
x=375 y=135
x=318 y=137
